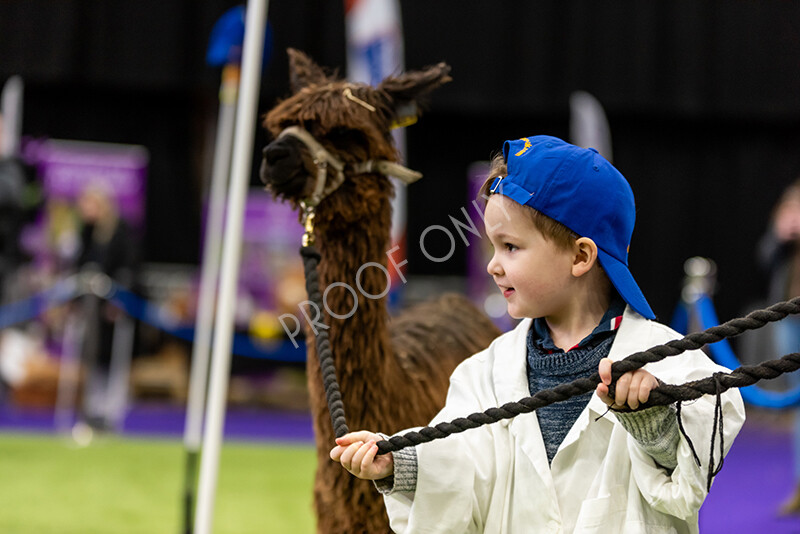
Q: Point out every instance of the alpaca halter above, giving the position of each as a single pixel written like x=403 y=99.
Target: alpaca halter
x=323 y=158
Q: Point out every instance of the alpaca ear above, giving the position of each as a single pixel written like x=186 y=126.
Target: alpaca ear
x=303 y=71
x=405 y=90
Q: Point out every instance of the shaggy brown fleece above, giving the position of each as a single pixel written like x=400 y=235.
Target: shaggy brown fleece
x=393 y=371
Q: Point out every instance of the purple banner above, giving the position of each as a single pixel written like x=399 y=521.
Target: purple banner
x=271 y=273
x=67 y=168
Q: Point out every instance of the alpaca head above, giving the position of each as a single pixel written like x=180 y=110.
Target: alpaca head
x=346 y=125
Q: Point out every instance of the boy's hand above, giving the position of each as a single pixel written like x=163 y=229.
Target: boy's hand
x=357 y=451
x=632 y=389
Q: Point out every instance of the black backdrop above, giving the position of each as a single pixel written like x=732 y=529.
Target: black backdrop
x=703 y=99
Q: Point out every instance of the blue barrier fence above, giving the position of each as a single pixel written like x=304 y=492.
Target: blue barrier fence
x=143 y=310
x=722 y=353
x=32 y=307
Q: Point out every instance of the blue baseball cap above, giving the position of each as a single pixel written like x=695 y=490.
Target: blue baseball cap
x=580 y=189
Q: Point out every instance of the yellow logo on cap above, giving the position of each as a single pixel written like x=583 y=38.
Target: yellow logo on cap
x=525 y=148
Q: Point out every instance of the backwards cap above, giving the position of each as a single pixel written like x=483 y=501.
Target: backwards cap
x=580 y=189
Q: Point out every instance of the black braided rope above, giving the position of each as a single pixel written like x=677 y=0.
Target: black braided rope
x=311 y=259
x=664 y=394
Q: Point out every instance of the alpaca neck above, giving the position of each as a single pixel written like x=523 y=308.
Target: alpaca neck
x=358 y=328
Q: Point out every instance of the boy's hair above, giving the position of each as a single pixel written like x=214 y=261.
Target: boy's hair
x=551 y=229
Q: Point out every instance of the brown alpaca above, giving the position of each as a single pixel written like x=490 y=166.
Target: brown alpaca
x=393 y=371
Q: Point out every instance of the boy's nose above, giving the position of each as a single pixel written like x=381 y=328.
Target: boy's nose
x=493 y=267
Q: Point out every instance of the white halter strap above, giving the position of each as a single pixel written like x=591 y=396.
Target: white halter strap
x=323 y=158
x=388 y=168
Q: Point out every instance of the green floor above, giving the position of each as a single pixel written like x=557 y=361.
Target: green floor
x=119 y=486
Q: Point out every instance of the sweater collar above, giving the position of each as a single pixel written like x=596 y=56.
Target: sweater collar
x=539 y=334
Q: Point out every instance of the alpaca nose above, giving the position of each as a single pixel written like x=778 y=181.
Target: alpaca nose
x=282 y=166
x=276 y=155
x=275 y=152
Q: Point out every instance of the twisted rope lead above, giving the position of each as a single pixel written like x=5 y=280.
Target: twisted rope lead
x=311 y=259
x=664 y=394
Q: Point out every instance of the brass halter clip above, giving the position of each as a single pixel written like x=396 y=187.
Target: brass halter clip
x=308 y=223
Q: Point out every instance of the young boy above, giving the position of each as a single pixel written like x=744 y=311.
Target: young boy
x=560 y=219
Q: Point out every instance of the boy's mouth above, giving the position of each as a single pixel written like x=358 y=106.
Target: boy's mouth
x=508 y=291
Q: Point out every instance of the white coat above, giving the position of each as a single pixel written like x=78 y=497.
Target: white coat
x=496 y=478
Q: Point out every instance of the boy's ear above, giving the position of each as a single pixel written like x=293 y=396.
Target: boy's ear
x=585 y=256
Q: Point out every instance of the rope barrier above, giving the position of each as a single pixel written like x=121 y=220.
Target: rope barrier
x=149 y=313
x=722 y=353
x=664 y=394
x=105 y=288
x=32 y=307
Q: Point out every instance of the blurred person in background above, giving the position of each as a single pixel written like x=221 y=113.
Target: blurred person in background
x=107 y=246
x=779 y=256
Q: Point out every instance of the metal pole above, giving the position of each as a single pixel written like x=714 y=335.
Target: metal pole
x=255 y=22
x=69 y=371
x=119 y=372
x=204 y=323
